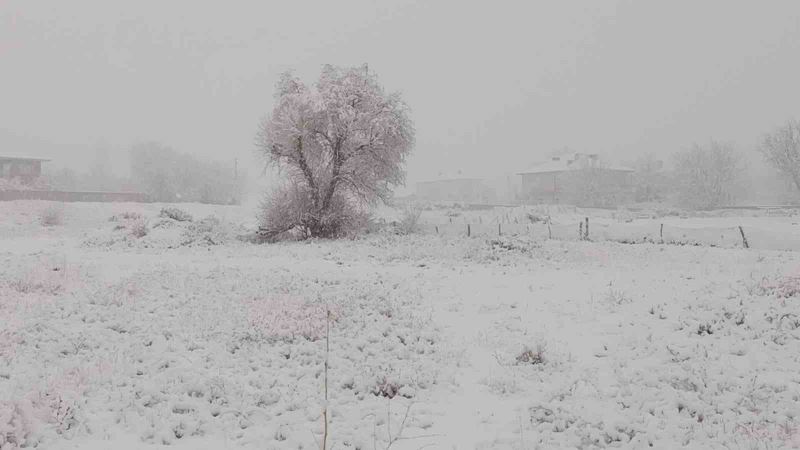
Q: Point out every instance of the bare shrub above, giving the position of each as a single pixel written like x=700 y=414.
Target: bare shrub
x=52 y=215
x=617 y=297
x=38 y=280
x=126 y=216
x=140 y=228
x=531 y=355
x=176 y=214
x=409 y=219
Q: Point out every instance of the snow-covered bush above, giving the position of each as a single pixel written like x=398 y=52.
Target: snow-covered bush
x=788 y=286
x=139 y=228
x=288 y=213
x=16 y=424
x=785 y=286
x=175 y=214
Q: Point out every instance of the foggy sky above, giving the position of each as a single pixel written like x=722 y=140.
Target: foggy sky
x=493 y=86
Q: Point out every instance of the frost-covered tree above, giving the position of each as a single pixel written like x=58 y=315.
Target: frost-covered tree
x=342 y=144
x=781 y=149
x=708 y=176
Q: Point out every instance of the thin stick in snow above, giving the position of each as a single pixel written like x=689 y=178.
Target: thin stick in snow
x=744 y=239
x=327 y=354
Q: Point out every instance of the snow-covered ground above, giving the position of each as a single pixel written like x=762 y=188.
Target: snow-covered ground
x=189 y=338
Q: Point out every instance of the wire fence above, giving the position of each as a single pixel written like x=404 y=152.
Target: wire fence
x=734 y=236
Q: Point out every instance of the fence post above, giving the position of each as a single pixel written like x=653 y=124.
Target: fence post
x=586 y=229
x=661 y=233
x=437 y=229
x=549 y=230
x=744 y=239
x=468 y=230
x=580 y=231
x=499 y=230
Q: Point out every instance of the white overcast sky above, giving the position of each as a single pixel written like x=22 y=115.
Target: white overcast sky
x=493 y=85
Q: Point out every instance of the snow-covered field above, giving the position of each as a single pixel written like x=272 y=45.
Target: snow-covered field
x=187 y=337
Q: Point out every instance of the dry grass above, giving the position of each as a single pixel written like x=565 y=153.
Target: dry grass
x=52 y=215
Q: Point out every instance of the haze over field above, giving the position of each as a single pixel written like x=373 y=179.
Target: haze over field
x=492 y=86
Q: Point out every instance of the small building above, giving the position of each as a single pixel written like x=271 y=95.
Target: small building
x=455 y=188
x=27 y=170
x=580 y=179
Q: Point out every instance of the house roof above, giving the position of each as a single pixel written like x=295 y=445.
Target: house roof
x=563 y=164
x=15 y=158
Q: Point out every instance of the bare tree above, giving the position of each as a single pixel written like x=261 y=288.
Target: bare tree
x=708 y=176
x=650 y=182
x=171 y=176
x=593 y=184
x=342 y=144
x=781 y=149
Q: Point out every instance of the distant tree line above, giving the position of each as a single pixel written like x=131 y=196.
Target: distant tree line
x=164 y=174
x=167 y=175
x=715 y=174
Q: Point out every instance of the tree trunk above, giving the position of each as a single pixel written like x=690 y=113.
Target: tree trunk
x=301 y=161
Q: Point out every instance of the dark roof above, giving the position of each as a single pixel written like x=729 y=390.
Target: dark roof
x=21 y=159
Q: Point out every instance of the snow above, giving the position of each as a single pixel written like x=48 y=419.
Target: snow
x=507 y=342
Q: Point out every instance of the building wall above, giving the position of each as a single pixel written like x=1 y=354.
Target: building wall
x=541 y=188
x=597 y=187
x=61 y=196
x=25 y=170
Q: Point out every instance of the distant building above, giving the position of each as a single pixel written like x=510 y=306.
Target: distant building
x=455 y=188
x=581 y=179
x=27 y=170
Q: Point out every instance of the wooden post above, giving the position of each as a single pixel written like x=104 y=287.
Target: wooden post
x=580 y=231
x=549 y=230
x=437 y=229
x=744 y=239
x=586 y=229
x=468 y=230
x=662 y=233
x=499 y=230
